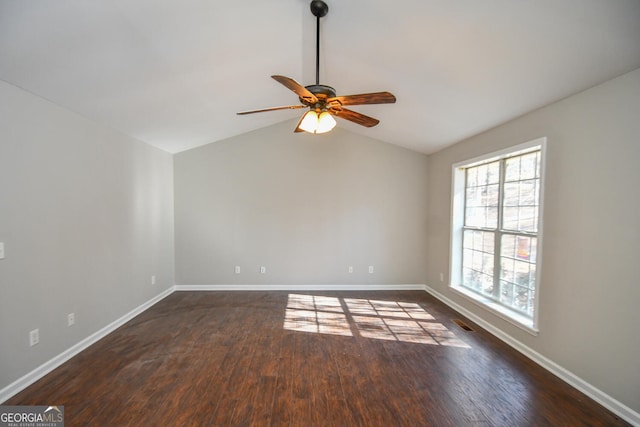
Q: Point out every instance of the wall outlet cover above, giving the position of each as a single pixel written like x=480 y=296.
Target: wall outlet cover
x=34 y=337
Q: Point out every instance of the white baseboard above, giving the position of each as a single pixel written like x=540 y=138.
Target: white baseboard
x=596 y=394
x=312 y=287
x=42 y=370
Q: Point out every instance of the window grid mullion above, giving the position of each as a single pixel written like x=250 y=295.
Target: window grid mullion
x=497 y=243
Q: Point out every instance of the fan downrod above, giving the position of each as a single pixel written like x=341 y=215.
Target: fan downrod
x=319 y=8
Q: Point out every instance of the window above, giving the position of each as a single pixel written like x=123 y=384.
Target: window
x=496 y=226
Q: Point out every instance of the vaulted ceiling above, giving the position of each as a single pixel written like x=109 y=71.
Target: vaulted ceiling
x=174 y=73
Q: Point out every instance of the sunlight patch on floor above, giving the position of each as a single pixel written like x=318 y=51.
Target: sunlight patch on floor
x=323 y=315
x=375 y=319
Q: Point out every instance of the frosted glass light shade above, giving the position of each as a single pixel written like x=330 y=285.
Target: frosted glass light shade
x=325 y=122
x=309 y=122
x=313 y=122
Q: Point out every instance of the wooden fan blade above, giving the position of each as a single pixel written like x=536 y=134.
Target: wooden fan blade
x=355 y=117
x=365 y=98
x=287 y=107
x=296 y=87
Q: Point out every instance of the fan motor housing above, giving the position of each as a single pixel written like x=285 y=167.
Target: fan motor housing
x=327 y=91
x=322 y=92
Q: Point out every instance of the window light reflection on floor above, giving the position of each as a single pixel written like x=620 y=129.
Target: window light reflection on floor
x=376 y=319
x=309 y=313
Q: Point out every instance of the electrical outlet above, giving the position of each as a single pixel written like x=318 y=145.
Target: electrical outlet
x=1 y=250
x=71 y=319
x=371 y=269
x=237 y=269
x=351 y=269
x=263 y=269
x=153 y=280
x=34 y=337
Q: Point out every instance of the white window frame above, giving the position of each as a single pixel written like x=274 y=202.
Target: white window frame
x=458 y=183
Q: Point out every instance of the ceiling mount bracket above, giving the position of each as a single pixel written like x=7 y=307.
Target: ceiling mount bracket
x=319 y=8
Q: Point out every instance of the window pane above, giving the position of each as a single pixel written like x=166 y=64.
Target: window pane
x=532 y=276
x=524 y=247
x=476 y=264
x=508 y=245
x=522 y=273
x=508 y=272
x=492 y=195
x=521 y=298
x=487 y=264
x=472 y=177
x=471 y=278
x=478 y=259
x=467 y=239
x=511 y=194
x=526 y=219
x=521 y=189
x=528 y=166
x=477 y=240
x=472 y=197
x=506 y=293
x=512 y=172
x=487 y=284
x=518 y=273
x=482 y=191
x=482 y=175
x=534 y=247
x=492 y=218
x=527 y=193
x=488 y=243
x=494 y=173
x=467 y=257
x=474 y=217
x=510 y=219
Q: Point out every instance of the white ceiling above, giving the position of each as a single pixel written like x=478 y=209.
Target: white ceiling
x=174 y=73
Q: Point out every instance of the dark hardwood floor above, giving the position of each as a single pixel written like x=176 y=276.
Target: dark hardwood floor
x=307 y=359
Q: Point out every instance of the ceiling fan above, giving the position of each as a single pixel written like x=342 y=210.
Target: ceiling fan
x=321 y=100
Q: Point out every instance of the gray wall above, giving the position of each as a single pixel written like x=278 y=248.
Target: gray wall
x=86 y=215
x=590 y=282
x=304 y=206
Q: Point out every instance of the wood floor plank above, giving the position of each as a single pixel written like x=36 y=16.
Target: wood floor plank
x=311 y=359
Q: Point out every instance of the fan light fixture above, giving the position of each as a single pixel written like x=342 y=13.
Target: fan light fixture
x=313 y=122
x=321 y=100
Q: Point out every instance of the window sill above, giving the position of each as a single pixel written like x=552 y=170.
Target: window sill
x=522 y=322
